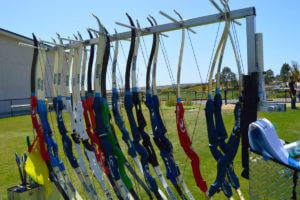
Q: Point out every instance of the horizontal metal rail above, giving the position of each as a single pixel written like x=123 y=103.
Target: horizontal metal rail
x=187 y=23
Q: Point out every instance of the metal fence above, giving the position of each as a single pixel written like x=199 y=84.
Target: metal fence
x=21 y=106
x=14 y=107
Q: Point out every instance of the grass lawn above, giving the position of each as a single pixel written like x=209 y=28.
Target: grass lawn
x=13 y=131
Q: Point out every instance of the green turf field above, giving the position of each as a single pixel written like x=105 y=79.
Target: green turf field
x=13 y=131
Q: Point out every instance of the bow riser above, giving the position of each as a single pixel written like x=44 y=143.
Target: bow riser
x=56 y=163
x=36 y=125
x=216 y=131
x=131 y=99
x=108 y=146
x=79 y=128
x=184 y=138
x=158 y=128
x=106 y=118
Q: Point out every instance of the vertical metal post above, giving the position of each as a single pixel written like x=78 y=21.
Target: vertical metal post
x=260 y=64
x=251 y=50
x=250 y=94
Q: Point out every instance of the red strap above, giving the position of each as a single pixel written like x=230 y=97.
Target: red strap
x=90 y=101
x=186 y=143
x=37 y=127
x=88 y=110
x=87 y=121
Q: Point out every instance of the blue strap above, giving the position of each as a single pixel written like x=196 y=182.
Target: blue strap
x=105 y=146
x=97 y=105
x=213 y=143
x=153 y=118
x=120 y=123
x=51 y=144
x=220 y=127
x=136 y=134
x=222 y=135
x=158 y=116
x=211 y=130
x=128 y=107
x=67 y=142
x=164 y=145
x=230 y=149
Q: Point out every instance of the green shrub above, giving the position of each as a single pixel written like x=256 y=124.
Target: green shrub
x=188 y=103
x=171 y=102
x=278 y=95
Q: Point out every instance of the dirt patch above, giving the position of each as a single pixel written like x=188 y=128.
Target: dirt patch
x=228 y=107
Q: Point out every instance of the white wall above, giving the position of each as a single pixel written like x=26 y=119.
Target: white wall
x=15 y=66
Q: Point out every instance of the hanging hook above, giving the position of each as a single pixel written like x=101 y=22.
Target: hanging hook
x=221 y=11
x=176 y=21
x=59 y=38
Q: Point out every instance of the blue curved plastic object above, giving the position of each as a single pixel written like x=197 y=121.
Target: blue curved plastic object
x=224 y=162
x=106 y=147
x=158 y=116
x=128 y=107
x=220 y=127
x=101 y=128
x=58 y=107
x=154 y=123
x=222 y=135
x=211 y=130
x=67 y=142
x=120 y=123
x=162 y=142
x=264 y=139
x=51 y=144
x=136 y=134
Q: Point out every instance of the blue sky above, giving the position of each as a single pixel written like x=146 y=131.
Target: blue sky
x=277 y=20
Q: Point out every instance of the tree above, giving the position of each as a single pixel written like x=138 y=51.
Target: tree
x=295 y=70
x=224 y=77
x=277 y=77
x=285 y=72
x=227 y=77
x=269 y=76
x=233 y=79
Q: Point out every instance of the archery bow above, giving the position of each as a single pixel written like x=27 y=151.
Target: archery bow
x=76 y=130
x=117 y=116
x=220 y=127
x=80 y=112
x=120 y=123
x=58 y=107
x=89 y=111
x=132 y=99
x=231 y=147
x=36 y=125
x=107 y=117
x=57 y=164
x=113 y=155
x=78 y=115
x=217 y=132
x=159 y=130
x=184 y=138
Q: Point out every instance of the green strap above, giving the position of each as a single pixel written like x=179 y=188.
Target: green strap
x=117 y=152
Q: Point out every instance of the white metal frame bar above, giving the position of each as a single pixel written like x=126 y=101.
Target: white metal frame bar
x=198 y=21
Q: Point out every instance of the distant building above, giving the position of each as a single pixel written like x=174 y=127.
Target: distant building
x=15 y=66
